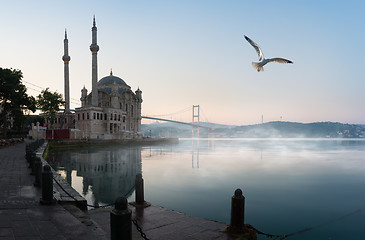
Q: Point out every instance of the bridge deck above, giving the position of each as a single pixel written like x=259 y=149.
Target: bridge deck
x=168 y=120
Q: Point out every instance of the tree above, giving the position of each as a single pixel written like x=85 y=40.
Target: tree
x=49 y=103
x=13 y=99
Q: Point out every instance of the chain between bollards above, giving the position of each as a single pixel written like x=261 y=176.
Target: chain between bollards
x=139 y=229
x=121 y=216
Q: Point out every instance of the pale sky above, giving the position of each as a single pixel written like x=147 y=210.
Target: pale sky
x=192 y=52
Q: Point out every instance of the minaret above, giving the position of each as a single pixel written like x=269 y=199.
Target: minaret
x=66 y=59
x=94 y=48
x=139 y=109
x=83 y=97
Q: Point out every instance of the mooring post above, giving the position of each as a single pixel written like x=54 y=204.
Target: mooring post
x=47 y=186
x=31 y=163
x=139 y=189
x=121 y=220
x=139 y=193
x=237 y=212
x=38 y=172
x=27 y=152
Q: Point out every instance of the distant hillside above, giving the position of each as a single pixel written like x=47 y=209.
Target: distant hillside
x=270 y=129
x=293 y=129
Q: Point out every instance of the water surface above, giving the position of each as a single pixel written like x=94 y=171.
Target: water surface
x=289 y=184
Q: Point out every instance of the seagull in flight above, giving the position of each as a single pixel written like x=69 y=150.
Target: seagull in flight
x=262 y=60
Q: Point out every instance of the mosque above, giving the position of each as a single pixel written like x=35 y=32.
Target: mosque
x=110 y=111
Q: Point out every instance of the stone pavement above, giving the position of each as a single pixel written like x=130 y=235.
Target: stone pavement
x=21 y=215
x=160 y=223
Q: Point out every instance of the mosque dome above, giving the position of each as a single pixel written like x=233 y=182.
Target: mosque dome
x=111 y=80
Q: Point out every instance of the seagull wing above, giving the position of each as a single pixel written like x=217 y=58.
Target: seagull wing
x=279 y=60
x=256 y=47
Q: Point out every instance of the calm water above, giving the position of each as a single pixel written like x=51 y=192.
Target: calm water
x=289 y=184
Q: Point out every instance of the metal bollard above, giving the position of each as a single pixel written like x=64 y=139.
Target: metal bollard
x=47 y=186
x=237 y=212
x=38 y=172
x=139 y=189
x=31 y=163
x=27 y=152
x=121 y=220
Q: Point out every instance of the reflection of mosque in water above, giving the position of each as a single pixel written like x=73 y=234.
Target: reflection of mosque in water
x=107 y=172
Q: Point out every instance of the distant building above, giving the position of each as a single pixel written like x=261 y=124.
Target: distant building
x=110 y=111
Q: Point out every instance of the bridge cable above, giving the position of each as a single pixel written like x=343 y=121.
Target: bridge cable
x=78 y=101
x=204 y=116
x=174 y=113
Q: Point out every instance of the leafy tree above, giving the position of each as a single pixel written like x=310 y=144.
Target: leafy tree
x=49 y=103
x=13 y=99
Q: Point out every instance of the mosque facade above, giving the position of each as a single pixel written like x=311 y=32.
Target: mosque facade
x=110 y=111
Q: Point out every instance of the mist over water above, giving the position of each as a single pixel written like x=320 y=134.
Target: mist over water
x=289 y=184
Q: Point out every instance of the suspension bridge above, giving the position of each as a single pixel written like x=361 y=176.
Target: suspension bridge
x=195 y=123
x=174 y=121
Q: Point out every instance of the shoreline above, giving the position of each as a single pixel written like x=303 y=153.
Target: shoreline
x=68 y=143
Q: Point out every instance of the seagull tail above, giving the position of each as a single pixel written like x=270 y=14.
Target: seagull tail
x=257 y=67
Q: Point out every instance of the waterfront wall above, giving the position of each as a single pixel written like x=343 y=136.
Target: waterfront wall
x=65 y=143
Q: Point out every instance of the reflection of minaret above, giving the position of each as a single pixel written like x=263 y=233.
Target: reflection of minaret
x=69 y=173
x=85 y=186
x=139 y=107
x=83 y=97
x=66 y=59
x=94 y=48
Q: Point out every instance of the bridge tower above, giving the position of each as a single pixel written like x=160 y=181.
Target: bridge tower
x=196 y=114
